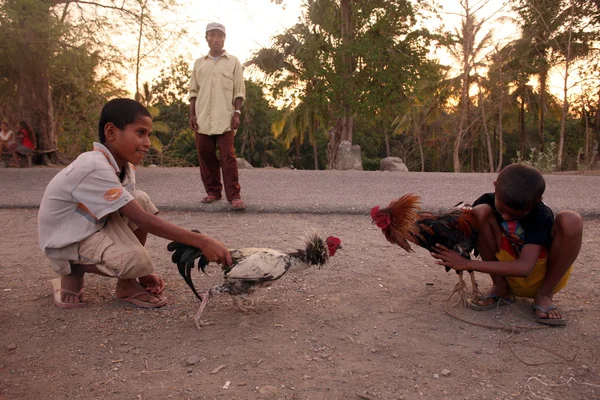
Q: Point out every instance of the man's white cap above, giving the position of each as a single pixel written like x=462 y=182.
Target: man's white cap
x=215 y=25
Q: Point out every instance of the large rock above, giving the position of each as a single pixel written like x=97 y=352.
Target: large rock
x=243 y=164
x=392 y=164
x=348 y=157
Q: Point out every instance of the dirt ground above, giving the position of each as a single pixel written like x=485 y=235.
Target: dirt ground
x=369 y=325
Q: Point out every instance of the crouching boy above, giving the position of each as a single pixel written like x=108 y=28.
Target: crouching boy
x=92 y=220
x=525 y=249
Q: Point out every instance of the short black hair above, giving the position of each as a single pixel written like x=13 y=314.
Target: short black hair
x=120 y=112
x=520 y=186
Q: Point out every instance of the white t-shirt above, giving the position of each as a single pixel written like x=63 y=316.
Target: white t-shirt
x=77 y=201
x=5 y=136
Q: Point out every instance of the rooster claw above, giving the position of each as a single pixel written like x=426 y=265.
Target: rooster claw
x=200 y=324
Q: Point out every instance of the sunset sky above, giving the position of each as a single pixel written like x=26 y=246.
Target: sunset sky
x=250 y=25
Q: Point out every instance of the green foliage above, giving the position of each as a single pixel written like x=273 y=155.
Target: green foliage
x=545 y=160
x=371 y=164
x=279 y=155
x=586 y=163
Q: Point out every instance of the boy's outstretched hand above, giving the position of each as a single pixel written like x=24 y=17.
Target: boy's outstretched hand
x=215 y=251
x=449 y=258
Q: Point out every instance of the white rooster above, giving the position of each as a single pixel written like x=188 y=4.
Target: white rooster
x=252 y=268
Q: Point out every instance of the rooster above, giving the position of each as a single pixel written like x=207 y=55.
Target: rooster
x=402 y=222
x=252 y=268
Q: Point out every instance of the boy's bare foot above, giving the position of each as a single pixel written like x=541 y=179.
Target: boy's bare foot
x=491 y=296
x=545 y=303
x=71 y=285
x=153 y=283
x=133 y=291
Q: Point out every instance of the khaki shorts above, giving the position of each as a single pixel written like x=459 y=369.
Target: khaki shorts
x=115 y=250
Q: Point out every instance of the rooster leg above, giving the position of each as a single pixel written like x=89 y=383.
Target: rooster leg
x=475 y=293
x=197 y=320
x=460 y=289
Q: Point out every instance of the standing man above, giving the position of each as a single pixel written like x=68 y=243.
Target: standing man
x=216 y=95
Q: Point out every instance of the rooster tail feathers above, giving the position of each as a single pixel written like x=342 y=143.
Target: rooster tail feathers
x=397 y=220
x=185 y=257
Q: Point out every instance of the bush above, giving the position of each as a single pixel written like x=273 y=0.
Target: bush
x=371 y=164
x=545 y=160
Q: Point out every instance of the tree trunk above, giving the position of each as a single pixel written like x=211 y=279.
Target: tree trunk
x=137 y=58
x=522 y=132
x=297 y=145
x=316 y=155
x=419 y=135
x=587 y=130
x=597 y=119
x=565 y=110
x=464 y=96
x=500 y=116
x=541 y=112
x=347 y=123
x=33 y=90
x=386 y=137
x=486 y=132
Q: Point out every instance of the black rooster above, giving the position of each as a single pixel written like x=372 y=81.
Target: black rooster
x=252 y=268
x=402 y=222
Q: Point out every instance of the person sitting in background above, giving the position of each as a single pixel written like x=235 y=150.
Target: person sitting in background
x=24 y=144
x=6 y=137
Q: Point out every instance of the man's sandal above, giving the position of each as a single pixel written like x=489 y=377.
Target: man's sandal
x=210 y=199
x=238 y=204
x=548 y=321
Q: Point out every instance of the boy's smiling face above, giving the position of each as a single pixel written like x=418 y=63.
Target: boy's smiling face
x=131 y=143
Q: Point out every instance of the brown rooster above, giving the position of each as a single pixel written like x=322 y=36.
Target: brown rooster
x=401 y=222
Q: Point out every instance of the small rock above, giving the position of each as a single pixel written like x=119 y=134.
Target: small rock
x=193 y=360
x=190 y=370
x=268 y=389
x=436 y=376
x=584 y=366
x=12 y=346
x=445 y=372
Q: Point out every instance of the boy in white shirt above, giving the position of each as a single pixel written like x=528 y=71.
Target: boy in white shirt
x=92 y=220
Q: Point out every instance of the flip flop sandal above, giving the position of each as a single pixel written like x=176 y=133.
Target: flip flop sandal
x=133 y=299
x=548 y=321
x=238 y=204
x=57 y=295
x=498 y=301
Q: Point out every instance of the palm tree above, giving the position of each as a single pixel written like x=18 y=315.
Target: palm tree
x=468 y=52
x=541 y=21
x=423 y=107
x=292 y=64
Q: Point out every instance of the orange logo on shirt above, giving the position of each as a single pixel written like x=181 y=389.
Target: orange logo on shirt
x=113 y=194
